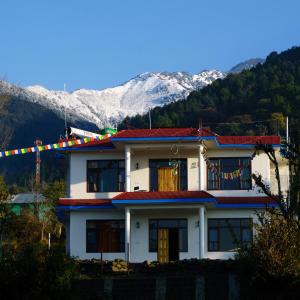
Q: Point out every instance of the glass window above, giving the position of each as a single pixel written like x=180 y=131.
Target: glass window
x=178 y=164
x=213 y=239
x=105 y=236
x=229 y=174
x=105 y=176
x=180 y=224
x=229 y=234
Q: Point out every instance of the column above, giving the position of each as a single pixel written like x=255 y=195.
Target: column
x=127 y=168
x=201 y=169
x=201 y=232
x=127 y=234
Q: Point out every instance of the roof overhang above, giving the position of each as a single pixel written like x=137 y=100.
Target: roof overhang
x=161 y=198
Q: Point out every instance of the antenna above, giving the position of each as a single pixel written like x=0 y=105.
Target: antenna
x=149 y=112
x=287 y=129
x=37 y=176
x=200 y=126
x=66 y=130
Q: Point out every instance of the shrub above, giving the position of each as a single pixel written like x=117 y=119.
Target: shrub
x=272 y=262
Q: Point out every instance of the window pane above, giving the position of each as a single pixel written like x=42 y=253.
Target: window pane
x=213 y=239
x=213 y=235
x=246 y=235
x=91 y=239
x=231 y=222
x=226 y=240
x=92 y=181
x=106 y=236
x=183 y=239
x=168 y=223
x=105 y=175
x=213 y=222
x=229 y=173
x=228 y=234
x=153 y=240
x=108 y=180
x=182 y=223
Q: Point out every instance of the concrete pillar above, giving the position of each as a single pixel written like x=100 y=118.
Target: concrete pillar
x=201 y=232
x=127 y=168
x=199 y=288
x=233 y=287
x=201 y=167
x=160 y=288
x=127 y=234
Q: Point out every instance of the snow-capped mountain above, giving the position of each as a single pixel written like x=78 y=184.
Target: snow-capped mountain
x=246 y=65
x=111 y=105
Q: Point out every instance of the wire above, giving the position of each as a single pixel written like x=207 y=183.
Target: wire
x=252 y=122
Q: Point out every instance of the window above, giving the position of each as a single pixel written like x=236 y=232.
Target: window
x=229 y=174
x=179 y=224
x=105 y=176
x=178 y=164
x=229 y=234
x=105 y=236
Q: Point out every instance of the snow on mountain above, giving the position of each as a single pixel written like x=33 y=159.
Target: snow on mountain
x=135 y=96
x=246 y=65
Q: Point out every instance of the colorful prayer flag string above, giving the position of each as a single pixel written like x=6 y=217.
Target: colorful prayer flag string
x=55 y=146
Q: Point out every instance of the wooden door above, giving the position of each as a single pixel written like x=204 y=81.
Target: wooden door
x=163 y=245
x=168 y=179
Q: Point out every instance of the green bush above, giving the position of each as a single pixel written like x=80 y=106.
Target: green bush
x=36 y=273
x=272 y=263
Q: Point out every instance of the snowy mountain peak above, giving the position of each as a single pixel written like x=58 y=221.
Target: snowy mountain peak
x=136 y=96
x=111 y=105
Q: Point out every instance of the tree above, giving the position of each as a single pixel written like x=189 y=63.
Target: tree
x=55 y=190
x=272 y=262
x=288 y=204
x=3 y=190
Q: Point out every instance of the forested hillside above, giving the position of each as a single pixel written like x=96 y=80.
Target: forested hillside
x=21 y=123
x=252 y=102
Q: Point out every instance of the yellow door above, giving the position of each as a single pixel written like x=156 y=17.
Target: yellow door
x=168 y=179
x=163 y=246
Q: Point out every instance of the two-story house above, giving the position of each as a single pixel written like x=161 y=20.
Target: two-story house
x=165 y=194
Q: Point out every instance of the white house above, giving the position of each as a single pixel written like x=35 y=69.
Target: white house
x=165 y=194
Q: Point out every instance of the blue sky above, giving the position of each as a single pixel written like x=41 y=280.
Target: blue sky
x=97 y=44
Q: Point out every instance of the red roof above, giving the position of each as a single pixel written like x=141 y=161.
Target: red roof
x=163 y=132
x=248 y=140
x=182 y=132
x=78 y=202
x=245 y=200
x=167 y=195
x=162 y=195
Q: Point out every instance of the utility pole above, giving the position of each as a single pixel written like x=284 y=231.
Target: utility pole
x=150 y=125
x=66 y=129
x=37 y=143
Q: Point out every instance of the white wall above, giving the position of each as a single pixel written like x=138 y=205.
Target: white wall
x=227 y=213
x=140 y=236
x=284 y=176
x=78 y=173
x=140 y=176
x=78 y=232
x=259 y=165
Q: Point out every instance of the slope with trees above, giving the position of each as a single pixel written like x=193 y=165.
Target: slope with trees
x=252 y=102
